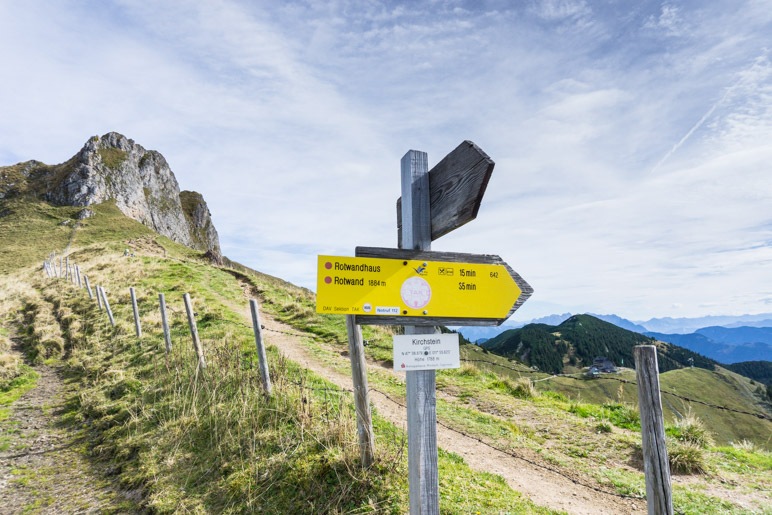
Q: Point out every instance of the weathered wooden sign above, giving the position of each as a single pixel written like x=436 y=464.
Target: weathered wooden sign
x=420 y=289
x=393 y=286
x=456 y=188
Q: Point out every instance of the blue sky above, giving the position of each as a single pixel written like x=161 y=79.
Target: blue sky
x=632 y=140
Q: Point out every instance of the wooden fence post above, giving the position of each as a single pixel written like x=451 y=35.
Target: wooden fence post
x=261 y=357
x=421 y=384
x=194 y=332
x=135 y=308
x=77 y=276
x=61 y=269
x=361 y=392
x=165 y=323
x=655 y=460
x=99 y=297
x=88 y=288
x=107 y=305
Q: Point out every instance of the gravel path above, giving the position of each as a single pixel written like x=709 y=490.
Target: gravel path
x=43 y=468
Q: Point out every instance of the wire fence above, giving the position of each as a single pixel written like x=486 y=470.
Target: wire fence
x=759 y=415
x=624 y=381
x=506 y=451
x=520 y=371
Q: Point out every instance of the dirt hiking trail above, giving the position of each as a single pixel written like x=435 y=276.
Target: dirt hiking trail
x=542 y=486
x=43 y=468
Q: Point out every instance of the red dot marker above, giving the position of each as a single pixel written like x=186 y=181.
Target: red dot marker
x=328 y=265
x=328 y=279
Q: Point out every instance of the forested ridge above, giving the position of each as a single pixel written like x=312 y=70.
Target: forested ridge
x=582 y=338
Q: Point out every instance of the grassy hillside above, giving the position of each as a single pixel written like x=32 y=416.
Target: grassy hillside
x=212 y=443
x=199 y=442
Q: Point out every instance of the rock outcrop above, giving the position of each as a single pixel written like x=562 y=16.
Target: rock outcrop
x=138 y=180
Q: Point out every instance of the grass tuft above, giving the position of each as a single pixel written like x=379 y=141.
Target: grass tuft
x=691 y=430
x=686 y=458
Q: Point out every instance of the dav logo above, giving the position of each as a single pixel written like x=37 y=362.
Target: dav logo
x=445 y=271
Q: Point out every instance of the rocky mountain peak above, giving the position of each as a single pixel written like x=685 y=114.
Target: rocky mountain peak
x=140 y=181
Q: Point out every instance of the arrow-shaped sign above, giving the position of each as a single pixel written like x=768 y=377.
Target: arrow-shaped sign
x=456 y=188
x=392 y=286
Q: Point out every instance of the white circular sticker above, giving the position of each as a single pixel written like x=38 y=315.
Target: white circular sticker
x=416 y=292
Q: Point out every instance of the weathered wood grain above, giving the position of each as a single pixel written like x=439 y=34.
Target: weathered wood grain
x=194 y=332
x=165 y=322
x=361 y=392
x=423 y=476
x=655 y=460
x=88 y=287
x=265 y=376
x=135 y=309
x=107 y=305
x=456 y=188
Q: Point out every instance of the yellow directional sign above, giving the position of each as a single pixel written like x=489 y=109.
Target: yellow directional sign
x=410 y=287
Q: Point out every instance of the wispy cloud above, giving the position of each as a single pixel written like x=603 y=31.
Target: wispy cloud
x=291 y=118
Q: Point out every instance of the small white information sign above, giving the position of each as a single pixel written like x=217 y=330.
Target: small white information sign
x=426 y=352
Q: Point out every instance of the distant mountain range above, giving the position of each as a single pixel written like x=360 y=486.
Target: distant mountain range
x=725 y=344
x=689 y=325
x=725 y=339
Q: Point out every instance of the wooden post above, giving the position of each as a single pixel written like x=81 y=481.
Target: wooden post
x=421 y=384
x=88 y=287
x=261 y=357
x=107 y=305
x=61 y=259
x=77 y=276
x=67 y=268
x=99 y=298
x=361 y=392
x=194 y=332
x=655 y=461
x=135 y=308
x=165 y=323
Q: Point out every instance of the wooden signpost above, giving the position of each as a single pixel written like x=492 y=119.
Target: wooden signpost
x=412 y=285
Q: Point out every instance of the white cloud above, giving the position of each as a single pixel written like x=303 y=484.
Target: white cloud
x=291 y=119
x=561 y=9
x=668 y=21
